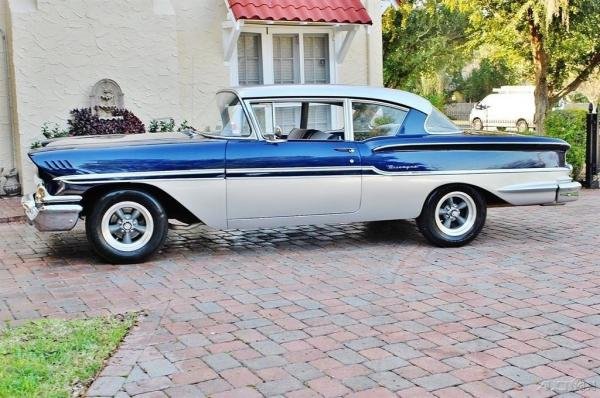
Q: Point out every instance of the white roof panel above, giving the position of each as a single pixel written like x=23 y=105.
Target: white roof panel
x=335 y=90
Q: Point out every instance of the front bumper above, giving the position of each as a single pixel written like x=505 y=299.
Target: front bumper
x=52 y=213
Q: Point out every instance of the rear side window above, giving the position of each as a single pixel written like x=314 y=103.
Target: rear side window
x=438 y=123
x=371 y=120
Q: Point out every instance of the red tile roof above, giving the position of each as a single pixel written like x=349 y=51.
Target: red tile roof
x=327 y=11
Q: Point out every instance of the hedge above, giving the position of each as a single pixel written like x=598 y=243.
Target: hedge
x=571 y=127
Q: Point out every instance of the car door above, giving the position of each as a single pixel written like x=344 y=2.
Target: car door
x=305 y=166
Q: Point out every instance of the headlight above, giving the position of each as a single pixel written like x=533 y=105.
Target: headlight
x=40 y=193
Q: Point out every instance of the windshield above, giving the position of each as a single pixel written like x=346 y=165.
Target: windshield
x=438 y=123
x=225 y=117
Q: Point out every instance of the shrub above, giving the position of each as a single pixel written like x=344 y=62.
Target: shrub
x=85 y=122
x=571 y=127
x=167 y=126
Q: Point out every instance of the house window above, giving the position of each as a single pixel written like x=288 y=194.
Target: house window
x=316 y=59
x=281 y=55
x=249 y=59
x=286 y=68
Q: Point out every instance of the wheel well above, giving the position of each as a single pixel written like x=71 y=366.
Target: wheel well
x=174 y=209
x=491 y=199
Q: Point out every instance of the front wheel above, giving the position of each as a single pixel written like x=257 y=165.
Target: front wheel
x=477 y=124
x=452 y=216
x=126 y=226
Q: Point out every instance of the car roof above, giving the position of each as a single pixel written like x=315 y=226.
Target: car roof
x=337 y=91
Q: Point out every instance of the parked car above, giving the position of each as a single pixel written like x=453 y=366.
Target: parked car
x=509 y=107
x=278 y=156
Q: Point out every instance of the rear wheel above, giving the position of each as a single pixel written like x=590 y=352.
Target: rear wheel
x=477 y=124
x=452 y=216
x=522 y=126
x=126 y=226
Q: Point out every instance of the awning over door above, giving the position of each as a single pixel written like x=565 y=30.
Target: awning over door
x=316 y=11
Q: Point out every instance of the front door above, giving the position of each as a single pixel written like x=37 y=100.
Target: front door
x=304 y=168
x=292 y=178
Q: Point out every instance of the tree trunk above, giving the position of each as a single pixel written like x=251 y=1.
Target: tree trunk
x=540 y=65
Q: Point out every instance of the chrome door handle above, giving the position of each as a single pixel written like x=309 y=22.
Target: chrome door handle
x=349 y=150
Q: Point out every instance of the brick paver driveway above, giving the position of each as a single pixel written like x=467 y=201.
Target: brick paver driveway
x=370 y=310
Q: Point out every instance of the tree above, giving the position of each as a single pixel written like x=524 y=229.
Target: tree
x=484 y=78
x=591 y=88
x=422 y=45
x=562 y=38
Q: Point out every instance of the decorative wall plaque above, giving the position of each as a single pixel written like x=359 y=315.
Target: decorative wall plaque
x=106 y=96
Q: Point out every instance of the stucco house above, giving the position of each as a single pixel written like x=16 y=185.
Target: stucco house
x=166 y=58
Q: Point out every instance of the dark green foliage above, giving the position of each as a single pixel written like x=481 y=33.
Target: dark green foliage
x=489 y=74
x=420 y=40
x=571 y=127
x=85 y=122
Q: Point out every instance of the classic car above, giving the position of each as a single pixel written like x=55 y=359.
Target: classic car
x=273 y=156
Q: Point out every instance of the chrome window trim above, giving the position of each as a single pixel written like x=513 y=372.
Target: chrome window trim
x=253 y=135
x=250 y=101
x=458 y=129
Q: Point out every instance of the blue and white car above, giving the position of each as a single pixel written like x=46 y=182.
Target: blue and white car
x=273 y=156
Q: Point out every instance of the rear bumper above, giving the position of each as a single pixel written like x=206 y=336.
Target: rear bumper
x=568 y=192
x=51 y=213
x=541 y=193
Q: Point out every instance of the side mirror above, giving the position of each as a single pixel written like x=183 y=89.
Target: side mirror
x=479 y=106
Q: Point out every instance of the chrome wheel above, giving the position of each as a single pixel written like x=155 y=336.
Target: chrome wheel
x=455 y=213
x=127 y=226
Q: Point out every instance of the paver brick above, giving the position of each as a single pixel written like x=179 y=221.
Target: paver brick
x=350 y=309
x=437 y=381
x=221 y=361
x=105 y=386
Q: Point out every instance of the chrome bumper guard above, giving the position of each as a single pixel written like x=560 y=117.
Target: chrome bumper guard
x=51 y=213
x=567 y=192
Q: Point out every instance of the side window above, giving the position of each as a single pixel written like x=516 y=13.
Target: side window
x=371 y=120
x=301 y=120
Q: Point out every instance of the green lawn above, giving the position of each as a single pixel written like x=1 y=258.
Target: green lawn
x=46 y=358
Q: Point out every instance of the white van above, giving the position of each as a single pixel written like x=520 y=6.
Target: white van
x=510 y=107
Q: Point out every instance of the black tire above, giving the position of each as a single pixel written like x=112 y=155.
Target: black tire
x=434 y=231
x=522 y=126
x=104 y=245
x=477 y=124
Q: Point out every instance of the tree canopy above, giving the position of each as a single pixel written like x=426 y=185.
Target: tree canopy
x=553 y=44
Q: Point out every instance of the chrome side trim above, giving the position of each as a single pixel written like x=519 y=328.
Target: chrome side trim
x=457 y=172
x=95 y=176
x=433 y=144
x=174 y=174
x=139 y=180
x=295 y=169
x=530 y=188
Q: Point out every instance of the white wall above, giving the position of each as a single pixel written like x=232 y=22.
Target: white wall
x=6 y=147
x=61 y=49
